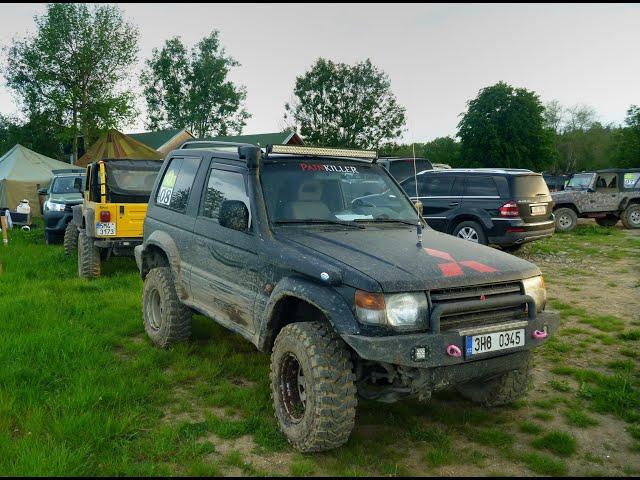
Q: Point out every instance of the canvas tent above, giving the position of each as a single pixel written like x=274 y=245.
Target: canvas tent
x=113 y=144
x=21 y=171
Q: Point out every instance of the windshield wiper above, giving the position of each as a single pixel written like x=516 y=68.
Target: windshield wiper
x=387 y=220
x=319 y=221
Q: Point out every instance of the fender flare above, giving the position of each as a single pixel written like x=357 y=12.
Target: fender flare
x=478 y=215
x=77 y=215
x=164 y=242
x=323 y=297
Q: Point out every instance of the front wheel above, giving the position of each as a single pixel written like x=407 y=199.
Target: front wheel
x=500 y=390
x=88 y=257
x=631 y=216
x=313 y=387
x=70 y=238
x=471 y=231
x=566 y=219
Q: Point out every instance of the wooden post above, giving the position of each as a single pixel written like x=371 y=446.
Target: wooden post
x=3 y=222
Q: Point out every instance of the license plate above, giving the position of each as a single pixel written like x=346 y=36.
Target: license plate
x=105 y=229
x=492 y=342
x=538 y=210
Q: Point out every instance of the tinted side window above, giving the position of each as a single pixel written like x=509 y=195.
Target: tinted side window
x=177 y=182
x=221 y=186
x=435 y=185
x=480 y=187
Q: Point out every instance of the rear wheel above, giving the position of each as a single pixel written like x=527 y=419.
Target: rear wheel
x=608 y=221
x=167 y=320
x=631 y=216
x=566 y=219
x=471 y=231
x=313 y=387
x=70 y=238
x=88 y=257
x=499 y=390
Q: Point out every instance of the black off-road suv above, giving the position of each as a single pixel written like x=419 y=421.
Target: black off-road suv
x=349 y=298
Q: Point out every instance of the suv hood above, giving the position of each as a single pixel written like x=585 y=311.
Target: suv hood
x=390 y=257
x=69 y=198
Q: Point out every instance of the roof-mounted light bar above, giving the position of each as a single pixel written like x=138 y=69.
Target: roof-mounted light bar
x=370 y=155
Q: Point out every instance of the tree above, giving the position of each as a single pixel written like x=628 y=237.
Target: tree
x=76 y=68
x=554 y=116
x=580 y=117
x=340 y=105
x=38 y=134
x=192 y=91
x=627 y=139
x=504 y=127
x=439 y=150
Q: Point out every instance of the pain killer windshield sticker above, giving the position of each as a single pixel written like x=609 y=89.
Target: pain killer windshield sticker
x=316 y=167
x=453 y=268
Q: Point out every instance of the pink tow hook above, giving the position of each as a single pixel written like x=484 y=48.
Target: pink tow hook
x=539 y=335
x=454 y=351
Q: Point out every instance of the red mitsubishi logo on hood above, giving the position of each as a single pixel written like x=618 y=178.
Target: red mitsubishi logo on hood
x=453 y=268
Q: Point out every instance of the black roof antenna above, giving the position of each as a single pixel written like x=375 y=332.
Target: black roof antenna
x=418 y=203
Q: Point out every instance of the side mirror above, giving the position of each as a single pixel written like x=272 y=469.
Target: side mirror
x=234 y=214
x=419 y=207
x=77 y=184
x=43 y=191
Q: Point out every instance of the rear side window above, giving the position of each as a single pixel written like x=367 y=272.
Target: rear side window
x=480 y=187
x=177 y=182
x=222 y=185
x=435 y=185
x=632 y=180
x=529 y=186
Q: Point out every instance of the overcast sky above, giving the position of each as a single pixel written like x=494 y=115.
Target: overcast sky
x=437 y=56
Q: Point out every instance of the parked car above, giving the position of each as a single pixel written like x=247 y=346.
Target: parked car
x=556 y=181
x=607 y=195
x=505 y=207
x=63 y=193
x=403 y=167
x=344 y=295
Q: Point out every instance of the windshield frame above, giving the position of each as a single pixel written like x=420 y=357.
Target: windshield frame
x=375 y=168
x=568 y=186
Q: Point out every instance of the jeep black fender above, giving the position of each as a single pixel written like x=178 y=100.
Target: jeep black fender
x=89 y=217
x=626 y=201
x=474 y=215
x=572 y=206
x=162 y=242
x=77 y=215
x=323 y=297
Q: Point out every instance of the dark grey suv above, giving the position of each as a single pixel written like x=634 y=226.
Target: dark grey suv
x=348 y=297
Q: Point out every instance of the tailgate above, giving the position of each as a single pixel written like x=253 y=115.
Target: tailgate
x=128 y=219
x=533 y=198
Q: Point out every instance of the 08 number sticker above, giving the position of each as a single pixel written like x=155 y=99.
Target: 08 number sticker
x=164 y=195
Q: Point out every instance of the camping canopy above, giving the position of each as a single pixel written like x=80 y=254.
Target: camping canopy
x=113 y=144
x=21 y=171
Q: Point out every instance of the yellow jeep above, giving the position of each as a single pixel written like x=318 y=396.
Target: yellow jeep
x=109 y=220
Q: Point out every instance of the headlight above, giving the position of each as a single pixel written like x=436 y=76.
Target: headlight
x=399 y=310
x=534 y=287
x=53 y=206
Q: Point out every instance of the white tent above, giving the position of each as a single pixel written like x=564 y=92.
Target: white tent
x=21 y=171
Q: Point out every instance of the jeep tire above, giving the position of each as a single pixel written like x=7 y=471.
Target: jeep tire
x=566 y=219
x=471 y=231
x=313 y=387
x=70 y=238
x=88 y=257
x=608 y=221
x=499 y=390
x=631 y=216
x=167 y=320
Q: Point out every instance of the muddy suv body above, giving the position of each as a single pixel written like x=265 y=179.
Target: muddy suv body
x=607 y=195
x=349 y=298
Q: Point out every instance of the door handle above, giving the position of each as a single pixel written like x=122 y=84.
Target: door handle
x=454 y=204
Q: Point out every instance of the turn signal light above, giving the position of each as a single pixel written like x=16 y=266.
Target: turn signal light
x=105 y=216
x=370 y=301
x=509 y=209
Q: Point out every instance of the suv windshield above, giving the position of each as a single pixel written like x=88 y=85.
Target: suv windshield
x=61 y=185
x=333 y=193
x=580 y=181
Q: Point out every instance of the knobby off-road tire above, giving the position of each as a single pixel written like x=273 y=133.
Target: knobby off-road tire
x=608 y=221
x=566 y=219
x=70 y=238
x=631 y=216
x=167 y=320
x=88 y=257
x=499 y=390
x=321 y=415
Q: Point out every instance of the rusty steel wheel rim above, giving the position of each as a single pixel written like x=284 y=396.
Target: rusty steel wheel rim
x=293 y=387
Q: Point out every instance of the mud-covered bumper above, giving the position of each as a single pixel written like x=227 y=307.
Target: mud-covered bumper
x=428 y=350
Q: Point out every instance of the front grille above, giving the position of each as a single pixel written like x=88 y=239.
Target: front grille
x=479 y=316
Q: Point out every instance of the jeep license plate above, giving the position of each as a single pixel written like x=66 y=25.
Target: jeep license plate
x=538 y=210
x=105 y=229
x=491 y=342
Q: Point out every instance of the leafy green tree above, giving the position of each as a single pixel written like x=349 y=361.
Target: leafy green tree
x=342 y=105
x=38 y=134
x=627 y=139
x=76 y=68
x=504 y=127
x=192 y=91
x=439 y=150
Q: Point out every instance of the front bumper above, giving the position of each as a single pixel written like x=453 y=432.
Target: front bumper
x=402 y=349
x=56 y=222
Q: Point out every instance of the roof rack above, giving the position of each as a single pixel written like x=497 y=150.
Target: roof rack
x=214 y=144
x=369 y=156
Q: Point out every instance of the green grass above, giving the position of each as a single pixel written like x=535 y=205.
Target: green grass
x=560 y=443
x=576 y=417
x=543 y=464
x=531 y=428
